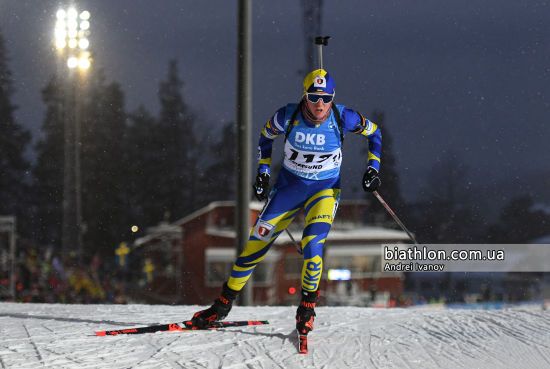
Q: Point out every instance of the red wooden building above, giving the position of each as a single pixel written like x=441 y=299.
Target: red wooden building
x=193 y=257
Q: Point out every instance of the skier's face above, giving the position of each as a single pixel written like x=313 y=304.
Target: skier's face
x=319 y=109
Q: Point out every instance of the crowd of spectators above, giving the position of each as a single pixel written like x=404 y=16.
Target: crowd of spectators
x=45 y=276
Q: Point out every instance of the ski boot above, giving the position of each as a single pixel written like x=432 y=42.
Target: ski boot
x=218 y=311
x=305 y=315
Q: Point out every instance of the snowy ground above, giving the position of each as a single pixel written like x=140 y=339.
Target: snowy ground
x=61 y=336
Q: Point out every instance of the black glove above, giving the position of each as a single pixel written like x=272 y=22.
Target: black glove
x=371 y=181
x=261 y=187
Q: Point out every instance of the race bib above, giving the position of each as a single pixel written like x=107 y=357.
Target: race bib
x=311 y=162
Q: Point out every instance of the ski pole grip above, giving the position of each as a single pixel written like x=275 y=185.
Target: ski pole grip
x=321 y=40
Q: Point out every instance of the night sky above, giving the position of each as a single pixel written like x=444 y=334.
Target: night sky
x=470 y=79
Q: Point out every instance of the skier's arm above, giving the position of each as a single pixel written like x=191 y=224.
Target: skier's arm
x=356 y=123
x=271 y=130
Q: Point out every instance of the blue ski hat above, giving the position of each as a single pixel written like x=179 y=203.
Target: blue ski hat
x=319 y=81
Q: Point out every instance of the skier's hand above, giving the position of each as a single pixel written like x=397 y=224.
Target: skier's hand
x=371 y=181
x=261 y=187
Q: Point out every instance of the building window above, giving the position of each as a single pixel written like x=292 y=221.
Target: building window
x=359 y=264
x=339 y=262
x=263 y=272
x=217 y=271
x=363 y=261
x=293 y=266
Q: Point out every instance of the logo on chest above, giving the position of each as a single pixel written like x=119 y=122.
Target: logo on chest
x=310 y=138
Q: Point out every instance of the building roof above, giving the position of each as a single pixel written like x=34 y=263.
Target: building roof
x=254 y=205
x=157 y=231
x=339 y=232
x=365 y=233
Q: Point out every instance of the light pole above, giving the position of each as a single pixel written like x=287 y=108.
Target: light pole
x=72 y=30
x=244 y=119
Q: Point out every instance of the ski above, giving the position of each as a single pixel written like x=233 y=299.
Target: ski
x=179 y=327
x=302 y=343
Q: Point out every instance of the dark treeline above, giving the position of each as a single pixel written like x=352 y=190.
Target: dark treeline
x=139 y=168
x=448 y=209
x=136 y=168
x=14 y=140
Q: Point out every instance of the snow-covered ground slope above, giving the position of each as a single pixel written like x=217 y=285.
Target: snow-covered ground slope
x=61 y=336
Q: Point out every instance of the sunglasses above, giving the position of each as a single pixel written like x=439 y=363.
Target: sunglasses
x=314 y=98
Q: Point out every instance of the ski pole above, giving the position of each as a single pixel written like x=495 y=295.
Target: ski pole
x=392 y=213
x=321 y=41
x=298 y=246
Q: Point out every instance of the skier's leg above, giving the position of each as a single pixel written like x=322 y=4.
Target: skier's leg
x=273 y=220
x=280 y=210
x=320 y=210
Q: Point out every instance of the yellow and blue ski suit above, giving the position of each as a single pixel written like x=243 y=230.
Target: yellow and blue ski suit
x=309 y=180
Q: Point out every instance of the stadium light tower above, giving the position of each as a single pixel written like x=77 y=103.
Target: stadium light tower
x=72 y=31
x=72 y=41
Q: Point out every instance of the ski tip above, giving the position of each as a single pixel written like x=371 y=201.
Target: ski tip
x=101 y=333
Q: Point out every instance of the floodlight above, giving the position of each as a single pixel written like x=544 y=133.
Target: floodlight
x=72 y=13
x=61 y=14
x=60 y=44
x=84 y=25
x=72 y=62
x=83 y=43
x=84 y=63
x=71 y=34
x=60 y=25
x=72 y=24
x=60 y=33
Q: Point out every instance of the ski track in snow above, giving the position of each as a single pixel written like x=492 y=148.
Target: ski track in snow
x=62 y=336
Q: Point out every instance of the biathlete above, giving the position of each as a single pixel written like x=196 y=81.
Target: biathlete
x=309 y=179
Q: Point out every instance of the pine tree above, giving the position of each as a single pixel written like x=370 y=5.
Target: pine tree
x=143 y=151
x=218 y=179
x=520 y=221
x=390 y=188
x=177 y=185
x=14 y=167
x=104 y=173
x=48 y=168
x=446 y=214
